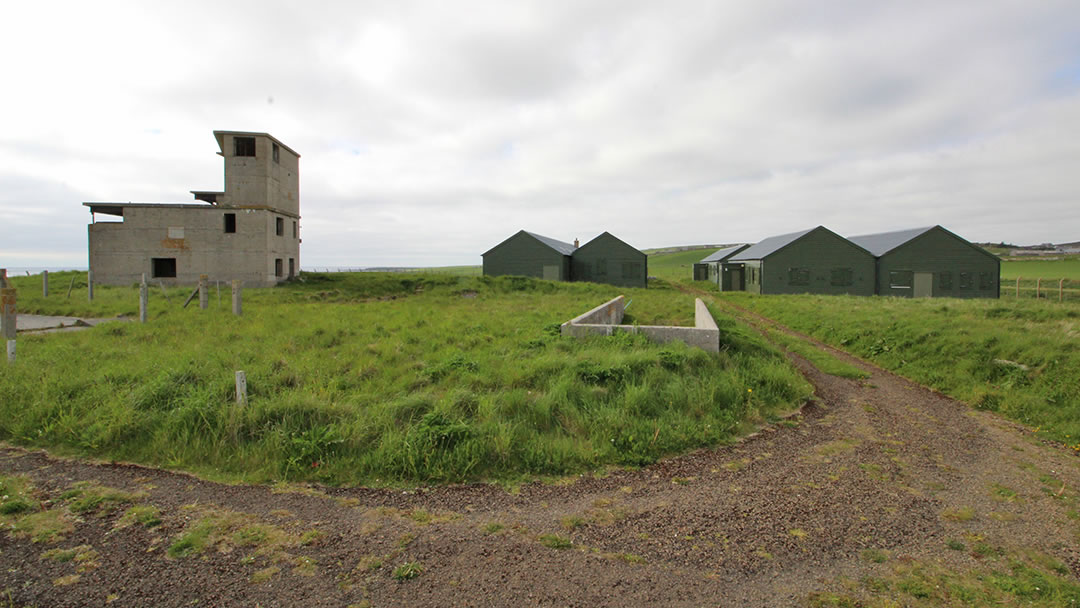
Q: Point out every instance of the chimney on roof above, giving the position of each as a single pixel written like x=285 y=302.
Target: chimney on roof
x=576 y=243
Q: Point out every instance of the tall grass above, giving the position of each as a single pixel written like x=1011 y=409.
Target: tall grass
x=370 y=378
x=1020 y=358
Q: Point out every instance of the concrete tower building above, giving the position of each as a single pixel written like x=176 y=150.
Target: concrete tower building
x=250 y=231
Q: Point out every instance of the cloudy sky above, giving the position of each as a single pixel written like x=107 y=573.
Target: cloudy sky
x=430 y=131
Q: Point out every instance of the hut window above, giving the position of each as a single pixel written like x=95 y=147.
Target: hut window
x=601 y=267
x=279 y=226
x=944 y=280
x=966 y=280
x=841 y=277
x=244 y=146
x=900 y=279
x=631 y=270
x=798 y=276
x=986 y=280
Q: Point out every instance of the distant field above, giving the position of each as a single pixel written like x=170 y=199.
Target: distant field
x=1019 y=358
x=678 y=266
x=382 y=378
x=1065 y=267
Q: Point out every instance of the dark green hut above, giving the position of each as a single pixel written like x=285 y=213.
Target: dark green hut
x=607 y=259
x=811 y=261
x=529 y=255
x=728 y=276
x=931 y=262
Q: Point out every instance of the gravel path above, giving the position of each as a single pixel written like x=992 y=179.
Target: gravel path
x=875 y=465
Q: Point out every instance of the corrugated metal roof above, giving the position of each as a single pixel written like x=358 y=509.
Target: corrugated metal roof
x=771 y=245
x=561 y=247
x=883 y=242
x=723 y=254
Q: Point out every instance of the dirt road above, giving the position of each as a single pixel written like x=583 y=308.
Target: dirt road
x=872 y=474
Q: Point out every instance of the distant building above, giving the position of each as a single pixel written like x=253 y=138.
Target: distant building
x=727 y=275
x=931 y=262
x=605 y=259
x=250 y=231
x=810 y=261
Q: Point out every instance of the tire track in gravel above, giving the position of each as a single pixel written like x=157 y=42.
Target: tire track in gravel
x=867 y=465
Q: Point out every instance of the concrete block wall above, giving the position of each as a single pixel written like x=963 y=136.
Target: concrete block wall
x=604 y=320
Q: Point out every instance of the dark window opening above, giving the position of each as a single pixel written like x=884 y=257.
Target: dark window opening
x=900 y=279
x=986 y=280
x=279 y=226
x=163 y=268
x=841 y=277
x=631 y=270
x=230 y=222
x=944 y=280
x=295 y=231
x=278 y=270
x=292 y=268
x=798 y=276
x=277 y=154
x=967 y=281
x=244 y=146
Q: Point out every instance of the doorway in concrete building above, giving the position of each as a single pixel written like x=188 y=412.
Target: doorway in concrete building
x=924 y=285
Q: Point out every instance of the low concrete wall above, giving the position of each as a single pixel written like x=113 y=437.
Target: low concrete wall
x=603 y=320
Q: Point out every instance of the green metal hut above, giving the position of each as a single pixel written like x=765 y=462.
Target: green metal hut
x=931 y=262
x=728 y=276
x=606 y=259
x=529 y=255
x=810 y=261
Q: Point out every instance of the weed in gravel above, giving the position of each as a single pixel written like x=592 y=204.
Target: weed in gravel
x=420 y=516
x=15 y=495
x=87 y=497
x=145 y=515
x=226 y=530
x=1003 y=516
x=797 y=533
x=405 y=540
x=493 y=527
x=407 y=571
x=827 y=451
x=44 y=526
x=877 y=556
x=736 y=465
x=555 y=541
x=955 y=545
x=573 y=522
x=826 y=599
x=311 y=537
x=1003 y=493
x=629 y=558
x=960 y=514
x=304 y=566
x=64 y=581
x=265 y=574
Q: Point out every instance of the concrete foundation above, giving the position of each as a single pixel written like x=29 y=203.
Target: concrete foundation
x=605 y=320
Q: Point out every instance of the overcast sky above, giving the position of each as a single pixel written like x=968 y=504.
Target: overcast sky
x=431 y=131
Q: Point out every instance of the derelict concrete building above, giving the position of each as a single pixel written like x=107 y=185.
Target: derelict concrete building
x=250 y=231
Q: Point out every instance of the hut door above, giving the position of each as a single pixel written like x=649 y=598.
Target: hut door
x=551 y=273
x=737 y=279
x=924 y=283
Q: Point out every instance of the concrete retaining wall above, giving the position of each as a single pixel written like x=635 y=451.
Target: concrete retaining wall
x=604 y=320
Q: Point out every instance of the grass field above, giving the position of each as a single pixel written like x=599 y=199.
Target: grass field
x=1019 y=358
x=383 y=378
x=678 y=266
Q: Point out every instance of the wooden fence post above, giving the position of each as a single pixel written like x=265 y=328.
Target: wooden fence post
x=1038 y=288
x=241 y=387
x=204 y=295
x=144 y=299
x=1061 y=290
x=44 y=283
x=1017 y=288
x=237 y=304
x=90 y=285
x=8 y=316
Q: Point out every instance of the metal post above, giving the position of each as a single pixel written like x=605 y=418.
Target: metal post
x=8 y=317
x=11 y=352
x=237 y=296
x=1038 y=288
x=241 y=387
x=44 y=283
x=204 y=296
x=144 y=299
x=90 y=285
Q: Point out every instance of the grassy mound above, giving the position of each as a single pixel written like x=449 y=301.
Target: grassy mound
x=387 y=378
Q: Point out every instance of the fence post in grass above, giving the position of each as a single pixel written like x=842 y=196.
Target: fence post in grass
x=44 y=283
x=1061 y=290
x=144 y=299
x=241 y=388
x=3 y=278
x=1017 y=288
x=90 y=285
x=11 y=352
x=8 y=318
x=204 y=296
x=71 y=286
x=217 y=286
x=1038 y=288
x=161 y=284
x=237 y=296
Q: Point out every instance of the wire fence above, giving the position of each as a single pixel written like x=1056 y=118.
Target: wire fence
x=1056 y=290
